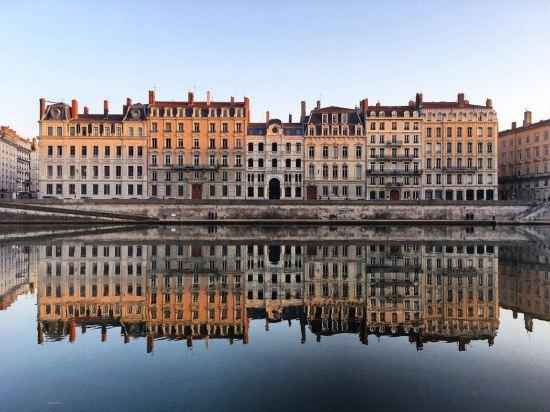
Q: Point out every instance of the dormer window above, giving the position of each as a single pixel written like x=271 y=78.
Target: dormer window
x=225 y=113
x=325 y=118
x=373 y=113
x=106 y=130
x=344 y=117
x=382 y=114
x=334 y=118
x=212 y=112
x=196 y=112
x=311 y=131
x=167 y=112
x=394 y=114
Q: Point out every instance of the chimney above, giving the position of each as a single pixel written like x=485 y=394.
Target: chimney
x=208 y=97
x=318 y=106
x=290 y=118
x=364 y=105
x=74 y=109
x=489 y=103
x=128 y=102
x=527 y=118
x=151 y=97
x=302 y=110
x=86 y=110
x=460 y=99
x=267 y=116
x=190 y=97
x=232 y=99
x=419 y=100
x=42 y=107
x=411 y=104
x=247 y=107
x=105 y=107
x=514 y=125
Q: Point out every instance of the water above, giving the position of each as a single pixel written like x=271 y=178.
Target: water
x=186 y=318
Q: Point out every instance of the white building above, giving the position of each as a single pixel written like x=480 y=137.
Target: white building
x=15 y=164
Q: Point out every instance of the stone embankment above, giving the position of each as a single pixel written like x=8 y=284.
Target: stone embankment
x=110 y=212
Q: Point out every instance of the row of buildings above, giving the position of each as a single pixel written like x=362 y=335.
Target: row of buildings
x=191 y=149
x=18 y=165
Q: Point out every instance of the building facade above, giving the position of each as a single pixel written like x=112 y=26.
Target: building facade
x=394 y=152
x=274 y=160
x=335 y=146
x=524 y=161
x=460 y=150
x=196 y=148
x=84 y=155
x=15 y=164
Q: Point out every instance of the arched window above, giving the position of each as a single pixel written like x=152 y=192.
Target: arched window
x=335 y=171
x=345 y=171
x=325 y=171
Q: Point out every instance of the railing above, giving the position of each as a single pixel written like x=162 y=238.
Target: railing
x=390 y=172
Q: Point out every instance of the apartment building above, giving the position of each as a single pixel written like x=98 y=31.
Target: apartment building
x=394 y=152
x=335 y=146
x=460 y=150
x=524 y=161
x=15 y=164
x=196 y=148
x=274 y=160
x=86 y=155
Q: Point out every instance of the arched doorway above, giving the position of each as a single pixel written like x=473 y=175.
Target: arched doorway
x=274 y=189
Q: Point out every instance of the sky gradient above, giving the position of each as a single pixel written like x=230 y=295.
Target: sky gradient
x=277 y=53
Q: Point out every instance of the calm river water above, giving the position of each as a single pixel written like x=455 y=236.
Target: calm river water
x=264 y=319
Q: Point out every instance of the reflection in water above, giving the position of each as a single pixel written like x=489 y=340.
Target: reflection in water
x=189 y=291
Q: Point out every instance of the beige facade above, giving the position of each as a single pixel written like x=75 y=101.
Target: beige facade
x=98 y=156
x=15 y=164
x=335 y=146
x=394 y=152
x=460 y=150
x=524 y=161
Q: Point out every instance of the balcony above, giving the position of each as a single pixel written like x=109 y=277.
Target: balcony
x=394 y=144
x=396 y=158
x=394 y=172
x=460 y=169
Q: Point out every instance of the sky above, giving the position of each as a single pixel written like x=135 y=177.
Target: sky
x=275 y=52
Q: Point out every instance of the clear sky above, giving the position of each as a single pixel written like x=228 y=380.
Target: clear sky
x=276 y=52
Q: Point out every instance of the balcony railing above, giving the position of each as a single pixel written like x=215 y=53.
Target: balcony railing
x=394 y=172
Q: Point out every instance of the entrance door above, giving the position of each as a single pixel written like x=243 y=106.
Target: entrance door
x=312 y=192
x=394 y=195
x=274 y=189
x=196 y=191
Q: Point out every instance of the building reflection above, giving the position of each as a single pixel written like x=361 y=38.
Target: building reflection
x=17 y=272
x=525 y=282
x=204 y=290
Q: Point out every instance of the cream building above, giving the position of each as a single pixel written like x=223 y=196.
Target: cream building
x=335 y=145
x=394 y=155
x=274 y=160
x=524 y=161
x=97 y=156
x=15 y=164
x=460 y=150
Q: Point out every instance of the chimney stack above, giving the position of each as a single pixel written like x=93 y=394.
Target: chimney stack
x=460 y=99
x=489 y=103
x=105 y=107
x=527 y=118
x=419 y=100
x=247 y=107
x=74 y=109
x=302 y=110
x=232 y=99
x=190 y=97
x=42 y=107
x=364 y=105
x=208 y=97
x=290 y=118
x=86 y=110
x=267 y=116
x=151 y=97
x=514 y=125
x=318 y=106
x=128 y=102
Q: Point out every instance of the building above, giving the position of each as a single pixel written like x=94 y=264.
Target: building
x=274 y=160
x=460 y=150
x=524 y=161
x=98 y=156
x=335 y=145
x=196 y=148
x=15 y=276
x=394 y=152
x=15 y=164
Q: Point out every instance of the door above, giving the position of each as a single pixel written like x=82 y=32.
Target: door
x=312 y=193
x=394 y=195
x=274 y=189
x=196 y=191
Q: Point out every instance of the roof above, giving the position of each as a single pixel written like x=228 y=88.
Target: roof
x=202 y=104
x=289 y=129
x=389 y=109
x=541 y=123
x=315 y=117
x=451 y=105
